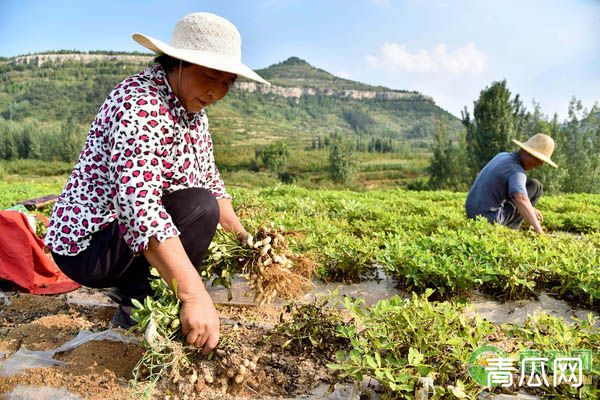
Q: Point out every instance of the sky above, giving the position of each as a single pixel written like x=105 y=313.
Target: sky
x=547 y=50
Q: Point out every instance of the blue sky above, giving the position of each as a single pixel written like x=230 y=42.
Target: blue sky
x=548 y=50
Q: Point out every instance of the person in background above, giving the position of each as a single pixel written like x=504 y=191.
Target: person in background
x=502 y=193
x=145 y=190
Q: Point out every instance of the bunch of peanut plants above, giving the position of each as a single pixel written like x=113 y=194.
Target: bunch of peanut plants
x=265 y=261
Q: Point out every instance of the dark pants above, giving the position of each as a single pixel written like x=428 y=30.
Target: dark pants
x=109 y=262
x=509 y=214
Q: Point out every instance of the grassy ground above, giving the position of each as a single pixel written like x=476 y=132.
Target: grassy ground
x=307 y=168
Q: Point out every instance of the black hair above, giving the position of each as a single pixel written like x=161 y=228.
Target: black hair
x=170 y=63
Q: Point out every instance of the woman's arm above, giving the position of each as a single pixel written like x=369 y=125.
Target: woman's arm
x=230 y=221
x=199 y=318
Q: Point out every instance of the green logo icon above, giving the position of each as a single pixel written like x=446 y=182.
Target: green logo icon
x=478 y=362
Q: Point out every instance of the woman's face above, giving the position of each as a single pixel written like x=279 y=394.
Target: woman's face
x=200 y=86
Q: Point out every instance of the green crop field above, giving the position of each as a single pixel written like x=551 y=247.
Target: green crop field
x=422 y=240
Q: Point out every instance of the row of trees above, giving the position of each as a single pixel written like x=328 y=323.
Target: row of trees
x=371 y=145
x=274 y=158
x=499 y=117
x=32 y=140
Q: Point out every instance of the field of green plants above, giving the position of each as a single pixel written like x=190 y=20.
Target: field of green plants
x=423 y=240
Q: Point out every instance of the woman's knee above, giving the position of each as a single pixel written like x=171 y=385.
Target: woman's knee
x=213 y=211
x=188 y=206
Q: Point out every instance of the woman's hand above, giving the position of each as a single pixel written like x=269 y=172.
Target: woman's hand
x=243 y=237
x=200 y=322
x=199 y=318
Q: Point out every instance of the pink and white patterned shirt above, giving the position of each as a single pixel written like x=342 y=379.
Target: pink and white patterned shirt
x=143 y=144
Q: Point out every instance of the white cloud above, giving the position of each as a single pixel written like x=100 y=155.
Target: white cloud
x=343 y=74
x=453 y=77
x=396 y=57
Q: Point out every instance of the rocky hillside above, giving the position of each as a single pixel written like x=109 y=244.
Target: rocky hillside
x=305 y=79
x=40 y=59
x=303 y=101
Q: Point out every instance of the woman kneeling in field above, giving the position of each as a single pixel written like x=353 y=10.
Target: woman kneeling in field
x=146 y=190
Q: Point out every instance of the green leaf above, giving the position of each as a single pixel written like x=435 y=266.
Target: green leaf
x=370 y=361
x=378 y=359
x=137 y=304
x=414 y=356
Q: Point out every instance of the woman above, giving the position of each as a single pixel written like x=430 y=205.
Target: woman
x=146 y=190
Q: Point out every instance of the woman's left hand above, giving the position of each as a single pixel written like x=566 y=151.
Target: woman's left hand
x=243 y=237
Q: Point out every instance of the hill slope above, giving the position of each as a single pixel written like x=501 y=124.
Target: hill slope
x=303 y=102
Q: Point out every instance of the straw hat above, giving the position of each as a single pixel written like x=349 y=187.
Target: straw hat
x=540 y=146
x=204 y=39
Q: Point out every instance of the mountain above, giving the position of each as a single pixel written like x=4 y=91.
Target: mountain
x=297 y=72
x=302 y=102
x=296 y=78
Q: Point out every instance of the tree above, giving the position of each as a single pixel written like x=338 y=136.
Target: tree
x=442 y=162
x=9 y=149
x=70 y=142
x=521 y=117
x=581 y=148
x=493 y=124
x=341 y=162
x=273 y=157
x=359 y=120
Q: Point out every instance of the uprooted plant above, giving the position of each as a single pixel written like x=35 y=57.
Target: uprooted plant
x=168 y=358
x=158 y=317
x=271 y=269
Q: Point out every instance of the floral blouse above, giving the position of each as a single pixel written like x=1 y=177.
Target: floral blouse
x=143 y=144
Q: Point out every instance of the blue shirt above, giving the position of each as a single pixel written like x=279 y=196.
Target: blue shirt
x=499 y=180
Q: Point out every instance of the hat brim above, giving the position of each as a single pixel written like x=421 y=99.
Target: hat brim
x=203 y=58
x=536 y=154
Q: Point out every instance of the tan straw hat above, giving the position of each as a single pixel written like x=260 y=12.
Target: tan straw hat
x=540 y=146
x=204 y=39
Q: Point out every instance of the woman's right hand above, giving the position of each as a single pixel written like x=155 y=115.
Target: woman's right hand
x=200 y=322
x=199 y=318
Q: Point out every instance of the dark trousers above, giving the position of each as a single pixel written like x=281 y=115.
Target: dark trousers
x=509 y=214
x=109 y=262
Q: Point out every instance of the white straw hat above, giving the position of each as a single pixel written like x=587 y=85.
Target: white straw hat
x=204 y=39
x=540 y=146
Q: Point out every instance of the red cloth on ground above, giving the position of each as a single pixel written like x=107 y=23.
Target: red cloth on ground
x=23 y=261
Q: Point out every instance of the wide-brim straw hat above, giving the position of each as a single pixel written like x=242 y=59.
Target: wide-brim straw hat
x=540 y=146
x=204 y=39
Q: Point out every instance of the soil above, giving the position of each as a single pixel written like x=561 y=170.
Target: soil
x=103 y=369
x=270 y=370
x=95 y=370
